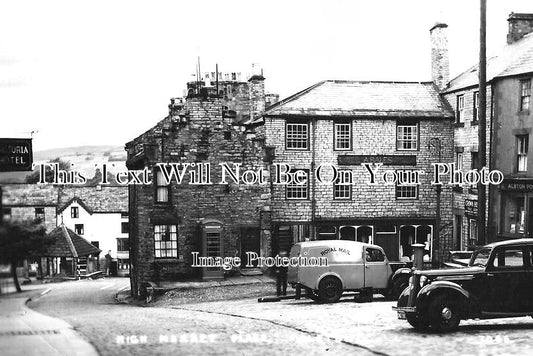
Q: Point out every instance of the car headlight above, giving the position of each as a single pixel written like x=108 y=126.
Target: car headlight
x=423 y=281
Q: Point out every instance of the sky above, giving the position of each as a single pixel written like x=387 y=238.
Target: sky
x=102 y=72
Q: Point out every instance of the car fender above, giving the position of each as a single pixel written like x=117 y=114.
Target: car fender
x=441 y=286
x=327 y=274
x=399 y=273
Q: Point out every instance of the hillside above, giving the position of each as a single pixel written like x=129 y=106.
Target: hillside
x=82 y=158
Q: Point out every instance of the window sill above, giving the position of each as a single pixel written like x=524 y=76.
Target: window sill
x=474 y=123
x=459 y=124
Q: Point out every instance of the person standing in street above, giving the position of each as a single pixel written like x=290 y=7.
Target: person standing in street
x=108 y=260
x=281 y=277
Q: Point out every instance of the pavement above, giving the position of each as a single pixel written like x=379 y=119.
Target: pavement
x=27 y=332
x=124 y=296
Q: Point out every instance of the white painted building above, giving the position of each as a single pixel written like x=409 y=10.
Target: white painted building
x=100 y=215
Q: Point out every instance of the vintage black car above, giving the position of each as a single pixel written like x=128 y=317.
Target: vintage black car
x=497 y=283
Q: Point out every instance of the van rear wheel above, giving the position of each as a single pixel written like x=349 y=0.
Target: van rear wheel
x=330 y=290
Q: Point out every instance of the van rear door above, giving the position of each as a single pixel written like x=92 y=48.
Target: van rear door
x=292 y=272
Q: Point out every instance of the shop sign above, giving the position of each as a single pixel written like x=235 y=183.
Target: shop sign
x=15 y=154
x=523 y=185
x=471 y=208
x=386 y=160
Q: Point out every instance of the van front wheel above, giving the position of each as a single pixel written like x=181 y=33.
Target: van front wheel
x=330 y=290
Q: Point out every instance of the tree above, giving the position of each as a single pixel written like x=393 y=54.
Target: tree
x=49 y=173
x=21 y=240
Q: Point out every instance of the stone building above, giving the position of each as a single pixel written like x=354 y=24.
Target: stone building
x=399 y=126
x=509 y=125
x=169 y=221
x=29 y=202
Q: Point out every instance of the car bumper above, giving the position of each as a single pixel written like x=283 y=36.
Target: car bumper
x=402 y=312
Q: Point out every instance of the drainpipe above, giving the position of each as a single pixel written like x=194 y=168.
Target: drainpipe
x=313 y=181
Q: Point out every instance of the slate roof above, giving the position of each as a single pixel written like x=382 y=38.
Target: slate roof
x=341 y=98
x=106 y=200
x=68 y=244
x=514 y=59
x=28 y=195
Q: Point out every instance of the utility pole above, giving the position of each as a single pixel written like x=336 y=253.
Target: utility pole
x=482 y=127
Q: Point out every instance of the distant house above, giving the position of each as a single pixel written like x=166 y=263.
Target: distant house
x=30 y=202
x=100 y=215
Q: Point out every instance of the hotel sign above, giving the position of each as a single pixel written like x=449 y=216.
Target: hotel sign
x=15 y=154
x=386 y=160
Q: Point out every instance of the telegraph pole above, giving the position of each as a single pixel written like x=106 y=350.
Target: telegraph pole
x=482 y=127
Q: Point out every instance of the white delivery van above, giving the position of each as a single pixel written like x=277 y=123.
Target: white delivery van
x=351 y=266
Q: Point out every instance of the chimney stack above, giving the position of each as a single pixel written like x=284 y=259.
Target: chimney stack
x=519 y=26
x=440 y=66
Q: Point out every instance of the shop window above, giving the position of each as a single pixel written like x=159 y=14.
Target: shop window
x=162 y=188
x=521 y=155
x=74 y=212
x=407 y=238
x=327 y=233
x=165 y=241
x=123 y=264
x=296 y=191
x=364 y=234
x=297 y=136
x=460 y=108
x=343 y=136
x=78 y=229
x=407 y=137
x=525 y=94
x=347 y=233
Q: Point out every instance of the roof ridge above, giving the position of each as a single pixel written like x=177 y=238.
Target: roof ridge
x=295 y=96
x=378 y=81
x=69 y=241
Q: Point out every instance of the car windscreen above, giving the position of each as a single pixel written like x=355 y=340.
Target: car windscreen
x=480 y=257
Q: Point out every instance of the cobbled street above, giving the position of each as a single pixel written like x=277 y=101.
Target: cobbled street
x=247 y=327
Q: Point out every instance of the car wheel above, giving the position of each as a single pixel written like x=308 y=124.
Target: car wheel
x=444 y=313
x=330 y=290
x=312 y=294
x=417 y=323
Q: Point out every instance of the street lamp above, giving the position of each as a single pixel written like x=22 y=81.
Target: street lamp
x=435 y=146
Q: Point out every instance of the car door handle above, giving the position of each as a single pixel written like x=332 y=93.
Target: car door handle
x=490 y=275
x=367 y=266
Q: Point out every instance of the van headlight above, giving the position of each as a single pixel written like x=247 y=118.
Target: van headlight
x=423 y=281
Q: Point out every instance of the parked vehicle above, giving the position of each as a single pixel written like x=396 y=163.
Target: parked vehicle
x=351 y=266
x=498 y=282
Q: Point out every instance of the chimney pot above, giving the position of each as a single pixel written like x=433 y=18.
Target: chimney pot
x=520 y=24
